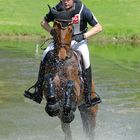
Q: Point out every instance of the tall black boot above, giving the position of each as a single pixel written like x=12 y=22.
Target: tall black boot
x=37 y=95
x=87 y=85
x=88 y=88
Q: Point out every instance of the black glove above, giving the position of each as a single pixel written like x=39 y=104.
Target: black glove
x=52 y=32
x=78 y=38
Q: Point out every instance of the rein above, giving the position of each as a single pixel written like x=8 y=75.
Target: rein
x=41 y=46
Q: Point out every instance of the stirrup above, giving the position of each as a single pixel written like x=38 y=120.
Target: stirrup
x=96 y=100
x=35 y=97
x=28 y=94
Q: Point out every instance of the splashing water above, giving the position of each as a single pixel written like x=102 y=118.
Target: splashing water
x=21 y=119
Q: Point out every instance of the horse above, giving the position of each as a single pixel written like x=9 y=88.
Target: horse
x=63 y=84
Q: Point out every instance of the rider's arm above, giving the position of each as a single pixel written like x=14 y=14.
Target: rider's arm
x=45 y=25
x=45 y=22
x=50 y=17
x=89 y=17
x=93 y=31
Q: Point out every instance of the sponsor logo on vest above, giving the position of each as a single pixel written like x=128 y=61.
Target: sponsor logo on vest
x=75 y=19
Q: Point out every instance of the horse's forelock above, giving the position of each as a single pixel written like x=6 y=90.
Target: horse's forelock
x=63 y=23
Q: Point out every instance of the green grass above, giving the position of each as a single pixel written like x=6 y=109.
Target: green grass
x=119 y=18
x=124 y=55
x=118 y=52
x=22 y=17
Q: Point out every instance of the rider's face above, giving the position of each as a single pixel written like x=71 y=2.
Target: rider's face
x=68 y=4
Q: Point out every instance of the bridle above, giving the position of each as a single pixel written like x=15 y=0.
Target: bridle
x=63 y=24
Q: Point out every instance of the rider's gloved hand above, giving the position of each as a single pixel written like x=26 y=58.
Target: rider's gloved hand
x=78 y=38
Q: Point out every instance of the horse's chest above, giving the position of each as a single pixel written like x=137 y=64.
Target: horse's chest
x=65 y=69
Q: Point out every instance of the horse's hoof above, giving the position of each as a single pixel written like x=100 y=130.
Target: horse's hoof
x=68 y=118
x=52 y=109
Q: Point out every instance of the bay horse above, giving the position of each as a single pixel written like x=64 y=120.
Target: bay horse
x=63 y=83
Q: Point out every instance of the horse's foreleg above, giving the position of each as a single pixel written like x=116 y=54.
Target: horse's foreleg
x=84 y=121
x=88 y=116
x=67 y=131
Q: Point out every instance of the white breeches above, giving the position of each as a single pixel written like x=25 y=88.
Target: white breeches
x=81 y=46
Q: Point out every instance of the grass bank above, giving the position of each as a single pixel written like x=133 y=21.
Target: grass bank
x=120 y=19
x=124 y=55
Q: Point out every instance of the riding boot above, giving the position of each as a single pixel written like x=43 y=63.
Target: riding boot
x=87 y=85
x=37 y=95
x=88 y=88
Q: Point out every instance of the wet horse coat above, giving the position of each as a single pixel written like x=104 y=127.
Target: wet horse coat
x=63 y=86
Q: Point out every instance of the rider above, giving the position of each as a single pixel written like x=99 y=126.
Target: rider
x=82 y=17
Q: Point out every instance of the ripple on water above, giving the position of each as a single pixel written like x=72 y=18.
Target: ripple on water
x=117 y=119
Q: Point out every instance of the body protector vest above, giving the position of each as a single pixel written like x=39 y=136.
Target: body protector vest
x=76 y=21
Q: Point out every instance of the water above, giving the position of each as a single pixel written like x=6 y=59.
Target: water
x=21 y=119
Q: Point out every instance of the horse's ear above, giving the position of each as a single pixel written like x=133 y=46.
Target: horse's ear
x=53 y=11
x=64 y=15
x=49 y=7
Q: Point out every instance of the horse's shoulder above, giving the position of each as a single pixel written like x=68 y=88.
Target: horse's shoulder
x=79 y=58
x=78 y=54
x=49 y=58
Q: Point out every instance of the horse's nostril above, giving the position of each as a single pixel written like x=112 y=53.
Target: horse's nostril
x=67 y=57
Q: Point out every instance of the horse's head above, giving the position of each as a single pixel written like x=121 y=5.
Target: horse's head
x=63 y=37
x=63 y=32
